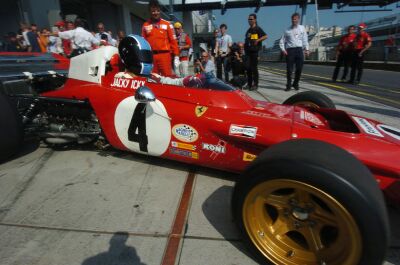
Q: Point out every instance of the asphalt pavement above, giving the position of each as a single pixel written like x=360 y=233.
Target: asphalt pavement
x=376 y=85
x=90 y=207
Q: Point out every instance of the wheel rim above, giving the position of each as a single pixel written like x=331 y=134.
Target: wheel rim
x=291 y=222
x=308 y=104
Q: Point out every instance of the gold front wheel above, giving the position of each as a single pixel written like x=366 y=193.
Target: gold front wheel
x=291 y=222
x=306 y=202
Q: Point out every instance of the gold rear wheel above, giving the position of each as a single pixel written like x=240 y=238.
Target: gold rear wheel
x=292 y=222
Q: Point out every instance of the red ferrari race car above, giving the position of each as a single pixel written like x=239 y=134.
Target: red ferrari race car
x=312 y=177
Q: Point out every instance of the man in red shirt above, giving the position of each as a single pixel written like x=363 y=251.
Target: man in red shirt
x=361 y=43
x=161 y=36
x=184 y=44
x=344 y=52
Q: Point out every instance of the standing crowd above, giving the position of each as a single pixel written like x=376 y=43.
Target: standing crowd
x=172 y=48
x=66 y=38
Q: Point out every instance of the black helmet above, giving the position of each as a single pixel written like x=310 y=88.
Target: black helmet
x=135 y=53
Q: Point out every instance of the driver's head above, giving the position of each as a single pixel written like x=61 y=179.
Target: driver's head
x=135 y=53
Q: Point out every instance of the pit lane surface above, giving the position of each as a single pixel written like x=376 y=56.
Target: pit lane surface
x=376 y=85
x=109 y=207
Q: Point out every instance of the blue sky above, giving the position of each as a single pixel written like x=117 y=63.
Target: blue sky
x=274 y=20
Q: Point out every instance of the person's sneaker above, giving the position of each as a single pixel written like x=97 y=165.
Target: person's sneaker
x=343 y=80
x=287 y=88
x=296 y=87
x=246 y=87
x=333 y=80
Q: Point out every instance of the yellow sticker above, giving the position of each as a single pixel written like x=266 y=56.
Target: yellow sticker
x=200 y=110
x=254 y=36
x=248 y=156
x=183 y=146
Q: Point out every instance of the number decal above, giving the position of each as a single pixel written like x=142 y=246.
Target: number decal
x=138 y=122
x=143 y=128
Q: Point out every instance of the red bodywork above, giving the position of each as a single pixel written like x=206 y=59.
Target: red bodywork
x=228 y=129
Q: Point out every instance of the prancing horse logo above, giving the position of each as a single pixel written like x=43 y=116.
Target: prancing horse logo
x=200 y=110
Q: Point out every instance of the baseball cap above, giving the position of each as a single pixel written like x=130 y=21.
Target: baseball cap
x=362 y=25
x=59 y=24
x=177 y=25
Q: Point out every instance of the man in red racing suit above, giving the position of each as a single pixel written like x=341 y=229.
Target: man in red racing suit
x=161 y=36
x=361 y=43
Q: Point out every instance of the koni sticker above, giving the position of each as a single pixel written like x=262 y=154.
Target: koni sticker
x=367 y=126
x=248 y=157
x=185 y=133
x=185 y=153
x=200 y=110
x=190 y=147
x=243 y=131
x=215 y=149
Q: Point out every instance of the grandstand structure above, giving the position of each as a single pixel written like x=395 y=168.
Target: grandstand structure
x=381 y=29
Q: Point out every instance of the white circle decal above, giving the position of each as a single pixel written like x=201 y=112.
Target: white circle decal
x=158 y=126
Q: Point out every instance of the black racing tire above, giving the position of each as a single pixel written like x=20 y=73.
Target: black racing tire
x=311 y=188
x=11 y=133
x=310 y=99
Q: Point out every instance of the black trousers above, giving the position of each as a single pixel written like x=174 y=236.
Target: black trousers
x=295 y=56
x=344 y=59
x=252 y=69
x=223 y=61
x=357 y=66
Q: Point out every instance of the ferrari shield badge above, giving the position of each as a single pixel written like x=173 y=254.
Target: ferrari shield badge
x=200 y=110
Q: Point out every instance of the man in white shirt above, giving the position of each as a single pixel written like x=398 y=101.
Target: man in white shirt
x=102 y=32
x=81 y=39
x=224 y=43
x=293 y=44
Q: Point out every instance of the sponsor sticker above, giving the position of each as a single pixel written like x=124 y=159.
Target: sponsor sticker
x=215 y=149
x=248 y=157
x=185 y=133
x=367 y=126
x=392 y=131
x=183 y=146
x=127 y=83
x=185 y=153
x=307 y=116
x=200 y=110
x=243 y=131
x=257 y=114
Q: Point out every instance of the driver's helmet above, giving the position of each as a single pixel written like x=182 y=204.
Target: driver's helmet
x=135 y=53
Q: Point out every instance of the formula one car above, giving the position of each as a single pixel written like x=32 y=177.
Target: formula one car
x=311 y=176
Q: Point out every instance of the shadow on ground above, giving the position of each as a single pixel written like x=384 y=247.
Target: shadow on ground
x=217 y=210
x=28 y=146
x=117 y=254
